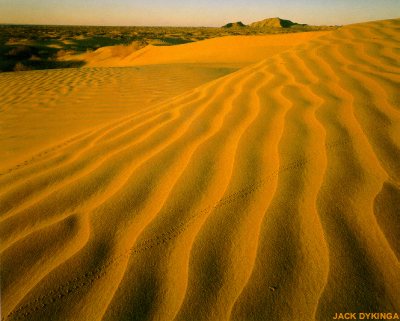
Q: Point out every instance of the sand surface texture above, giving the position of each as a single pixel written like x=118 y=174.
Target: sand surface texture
x=236 y=51
x=46 y=108
x=271 y=193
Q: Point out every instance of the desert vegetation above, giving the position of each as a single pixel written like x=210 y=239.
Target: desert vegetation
x=32 y=47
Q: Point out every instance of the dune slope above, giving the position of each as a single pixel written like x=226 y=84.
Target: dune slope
x=269 y=194
x=232 y=51
x=46 y=108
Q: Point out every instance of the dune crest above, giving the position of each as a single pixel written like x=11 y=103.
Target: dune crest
x=236 y=51
x=269 y=194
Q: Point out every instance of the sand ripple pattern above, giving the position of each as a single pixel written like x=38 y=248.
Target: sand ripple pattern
x=272 y=193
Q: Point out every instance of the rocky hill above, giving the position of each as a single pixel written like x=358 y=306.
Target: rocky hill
x=273 y=23
x=266 y=23
x=238 y=24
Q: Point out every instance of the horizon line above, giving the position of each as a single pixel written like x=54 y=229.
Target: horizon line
x=179 y=26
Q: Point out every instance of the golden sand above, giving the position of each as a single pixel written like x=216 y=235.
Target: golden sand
x=228 y=51
x=271 y=193
x=46 y=108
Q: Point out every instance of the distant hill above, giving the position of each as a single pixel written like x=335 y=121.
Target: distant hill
x=273 y=23
x=266 y=23
x=238 y=24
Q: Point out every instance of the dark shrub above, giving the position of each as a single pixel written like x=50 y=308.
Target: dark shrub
x=20 y=52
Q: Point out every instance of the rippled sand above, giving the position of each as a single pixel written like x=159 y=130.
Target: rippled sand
x=269 y=193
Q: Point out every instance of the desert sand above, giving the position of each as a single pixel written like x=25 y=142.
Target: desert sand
x=41 y=109
x=267 y=193
x=230 y=51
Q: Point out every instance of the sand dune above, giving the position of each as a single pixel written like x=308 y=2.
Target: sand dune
x=236 y=51
x=271 y=193
x=45 y=109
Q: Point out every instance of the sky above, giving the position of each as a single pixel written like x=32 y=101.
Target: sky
x=193 y=12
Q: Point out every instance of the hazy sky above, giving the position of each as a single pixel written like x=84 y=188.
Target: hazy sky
x=193 y=12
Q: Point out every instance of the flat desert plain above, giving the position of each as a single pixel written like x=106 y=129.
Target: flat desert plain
x=236 y=178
